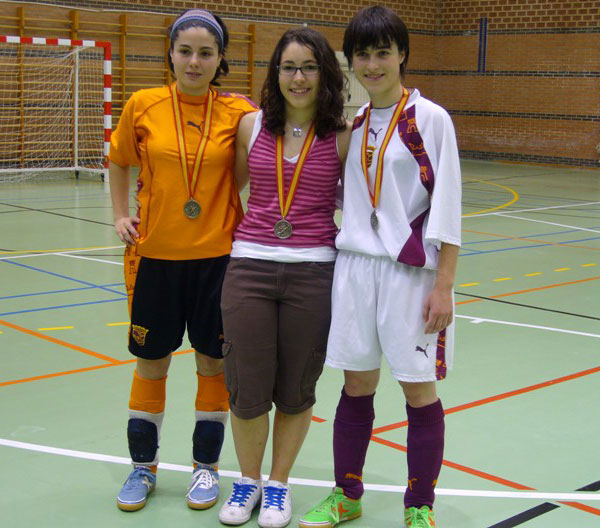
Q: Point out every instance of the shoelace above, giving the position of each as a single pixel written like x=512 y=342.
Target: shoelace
x=274 y=497
x=418 y=519
x=241 y=493
x=202 y=479
x=330 y=505
x=138 y=474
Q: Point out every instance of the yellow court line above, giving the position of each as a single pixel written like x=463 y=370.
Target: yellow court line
x=117 y=324
x=534 y=274
x=55 y=328
x=26 y=251
x=510 y=202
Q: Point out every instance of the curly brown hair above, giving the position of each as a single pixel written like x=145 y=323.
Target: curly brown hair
x=329 y=116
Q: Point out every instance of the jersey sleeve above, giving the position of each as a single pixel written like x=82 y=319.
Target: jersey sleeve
x=124 y=149
x=444 y=224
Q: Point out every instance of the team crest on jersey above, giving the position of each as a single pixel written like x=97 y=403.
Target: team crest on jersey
x=370 y=152
x=412 y=125
x=139 y=334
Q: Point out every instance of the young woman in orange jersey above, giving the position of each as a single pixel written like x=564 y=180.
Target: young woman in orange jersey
x=178 y=243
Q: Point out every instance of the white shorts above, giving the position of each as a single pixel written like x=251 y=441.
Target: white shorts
x=378 y=309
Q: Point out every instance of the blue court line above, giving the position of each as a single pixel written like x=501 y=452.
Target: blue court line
x=528 y=247
x=529 y=236
x=58 y=291
x=64 y=277
x=60 y=306
x=467 y=252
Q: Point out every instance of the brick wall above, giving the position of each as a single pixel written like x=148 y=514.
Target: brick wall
x=535 y=97
x=511 y=15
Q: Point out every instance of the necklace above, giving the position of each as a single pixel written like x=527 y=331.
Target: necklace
x=296 y=132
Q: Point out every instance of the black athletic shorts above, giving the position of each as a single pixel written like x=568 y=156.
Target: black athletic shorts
x=170 y=295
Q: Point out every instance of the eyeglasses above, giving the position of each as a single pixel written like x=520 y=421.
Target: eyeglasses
x=289 y=70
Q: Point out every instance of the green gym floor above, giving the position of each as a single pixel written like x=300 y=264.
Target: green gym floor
x=522 y=403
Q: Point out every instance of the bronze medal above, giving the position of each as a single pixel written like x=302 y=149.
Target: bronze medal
x=191 y=209
x=283 y=229
x=374 y=220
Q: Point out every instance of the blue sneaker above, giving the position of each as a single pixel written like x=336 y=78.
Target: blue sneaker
x=276 y=506
x=244 y=497
x=137 y=487
x=204 y=489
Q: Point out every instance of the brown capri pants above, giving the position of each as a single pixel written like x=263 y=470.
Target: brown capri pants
x=276 y=320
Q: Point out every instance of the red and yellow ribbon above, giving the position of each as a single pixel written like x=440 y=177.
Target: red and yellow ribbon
x=374 y=195
x=285 y=207
x=191 y=181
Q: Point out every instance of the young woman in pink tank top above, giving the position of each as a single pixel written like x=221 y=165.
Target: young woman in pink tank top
x=276 y=301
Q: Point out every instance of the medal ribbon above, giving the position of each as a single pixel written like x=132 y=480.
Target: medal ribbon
x=374 y=195
x=191 y=183
x=279 y=162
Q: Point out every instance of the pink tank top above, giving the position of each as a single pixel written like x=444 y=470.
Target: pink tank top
x=311 y=213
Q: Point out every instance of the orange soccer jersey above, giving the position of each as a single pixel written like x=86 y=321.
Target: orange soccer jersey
x=146 y=137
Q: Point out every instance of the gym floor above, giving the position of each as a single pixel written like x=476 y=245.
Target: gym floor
x=522 y=401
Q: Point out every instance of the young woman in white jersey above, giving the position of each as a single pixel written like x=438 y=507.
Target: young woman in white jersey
x=394 y=275
x=276 y=300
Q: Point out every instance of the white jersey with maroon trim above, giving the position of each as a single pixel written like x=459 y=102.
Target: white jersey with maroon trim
x=420 y=200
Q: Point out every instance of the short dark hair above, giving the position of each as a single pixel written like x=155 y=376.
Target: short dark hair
x=376 y=26
x=329 y=116
x=223 y=68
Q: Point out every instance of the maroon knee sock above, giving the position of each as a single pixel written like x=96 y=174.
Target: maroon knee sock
x=425 y=453
x=352 y=430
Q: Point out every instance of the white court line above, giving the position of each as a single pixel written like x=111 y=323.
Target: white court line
x=580 y=496
x=534 y=209
x=479 y=320
x=60 y=253
x=89 y=258
x=548 y=223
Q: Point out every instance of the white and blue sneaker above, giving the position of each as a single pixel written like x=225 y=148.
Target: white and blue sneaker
x=276 y=506
x=137 y=487
x=244 y=497
x=204 y=488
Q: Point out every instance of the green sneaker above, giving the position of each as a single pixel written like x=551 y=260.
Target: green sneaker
x=419 y=517
x=332 y=511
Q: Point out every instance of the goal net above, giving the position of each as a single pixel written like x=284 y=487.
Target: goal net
x=55 y=107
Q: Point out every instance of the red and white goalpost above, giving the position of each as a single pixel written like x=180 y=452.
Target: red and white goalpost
x=55 y=107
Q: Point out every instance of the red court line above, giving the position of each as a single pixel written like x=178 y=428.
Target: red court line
x=63 y=373
x=78 y=371
x=583 y=507
x=59 y=342
x=540 y=288
x=486 y=476
x=459 y=467
x=498 y=397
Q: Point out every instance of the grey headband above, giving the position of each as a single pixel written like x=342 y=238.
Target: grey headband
x=202 y=16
